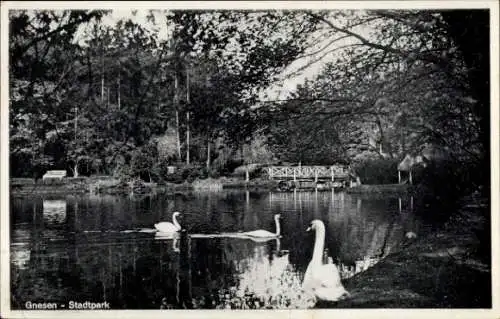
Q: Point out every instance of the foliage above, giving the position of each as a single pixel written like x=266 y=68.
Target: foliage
x=377 y=171
x=118 y=99
x=187 y=173
x=397 y=81
x=301 y=136
x=143 y=163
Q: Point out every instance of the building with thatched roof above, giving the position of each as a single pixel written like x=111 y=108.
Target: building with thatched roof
x=406 y=166
x=428 y=153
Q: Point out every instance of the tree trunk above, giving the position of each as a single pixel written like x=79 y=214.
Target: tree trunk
x=187 y=138
x=382 y=136
x=208 y=154
x=118 y=98
x=403 y=133
x=102 y=74
x=179 y=154
x=471 y=32
x=177 y=125
x=90 y=92
x=187 y=117
x=76 y=123
x=75 y=170
x=402 y=142
x=102 y=88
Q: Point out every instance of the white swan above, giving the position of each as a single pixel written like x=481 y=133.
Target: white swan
x=259 y=235
x=322 y=280
x=166 y=227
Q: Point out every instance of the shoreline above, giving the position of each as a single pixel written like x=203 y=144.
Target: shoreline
x=23 y=186
x=437 y=270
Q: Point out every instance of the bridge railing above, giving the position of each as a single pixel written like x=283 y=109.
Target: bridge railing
x=307 y=172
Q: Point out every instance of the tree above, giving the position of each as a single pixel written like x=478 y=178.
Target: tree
x=396 y=81
x=403 y=84
x=42 y=67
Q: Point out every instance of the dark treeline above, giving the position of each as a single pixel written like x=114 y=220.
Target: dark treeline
x=119 y=99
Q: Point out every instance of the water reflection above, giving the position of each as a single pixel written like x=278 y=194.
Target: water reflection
x=54 y=211
x=104 y=248
x=253 y=275
x=270 y=279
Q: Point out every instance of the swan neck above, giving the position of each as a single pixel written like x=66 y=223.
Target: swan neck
x=176 y=223
x=278 y=229
x=319 y=244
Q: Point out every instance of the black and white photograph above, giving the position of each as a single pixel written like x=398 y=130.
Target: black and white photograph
x=199 y=158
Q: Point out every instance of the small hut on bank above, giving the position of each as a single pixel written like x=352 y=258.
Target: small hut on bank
x=406 y=165
x=428 y=153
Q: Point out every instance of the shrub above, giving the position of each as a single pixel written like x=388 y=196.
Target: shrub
x=230 y=166
x=377 y=171
x=207 y=184
x=107 y=182
x=254 y=171
x=77 y=180
x=443 y=183
x=203 y=173
x=450 y=177
x=21 y=181
x=54 y=181
x=187 y=173
x=175 y=177
x=213 y=173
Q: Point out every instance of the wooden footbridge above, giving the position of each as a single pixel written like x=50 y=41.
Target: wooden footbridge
x=310 y=176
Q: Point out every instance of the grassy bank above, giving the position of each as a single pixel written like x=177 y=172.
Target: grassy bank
x=108 y=185
x=449 y=268
x=26 y=186
x=379 y=188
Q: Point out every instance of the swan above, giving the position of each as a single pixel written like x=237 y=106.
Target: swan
x=259 y=235
x=166 y=227
x=322 y=280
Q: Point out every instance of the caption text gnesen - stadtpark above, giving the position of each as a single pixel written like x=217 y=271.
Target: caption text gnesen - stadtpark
x=72 y=305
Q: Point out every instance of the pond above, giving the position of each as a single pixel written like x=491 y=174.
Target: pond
x=102 y=248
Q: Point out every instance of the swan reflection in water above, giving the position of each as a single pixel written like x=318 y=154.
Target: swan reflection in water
x=182 y=270
x=264 y=276
x=259 y=235
x=263 y=279
x=175 y=240
x=273 y=281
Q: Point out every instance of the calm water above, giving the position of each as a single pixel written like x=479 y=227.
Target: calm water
x=92 y=248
